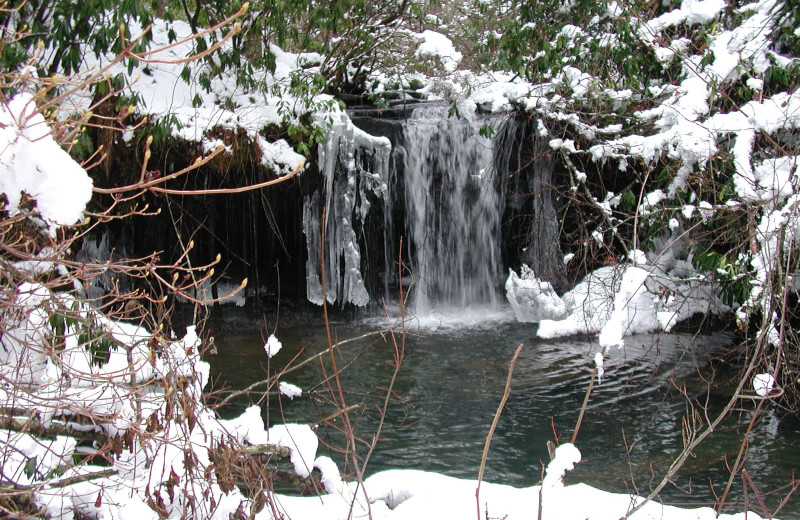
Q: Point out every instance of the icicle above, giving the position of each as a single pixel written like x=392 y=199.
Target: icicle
x=355 y=166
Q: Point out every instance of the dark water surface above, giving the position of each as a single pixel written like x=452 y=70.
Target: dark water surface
x=451 y=382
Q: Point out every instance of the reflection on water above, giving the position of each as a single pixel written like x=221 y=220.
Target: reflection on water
x=453 y=377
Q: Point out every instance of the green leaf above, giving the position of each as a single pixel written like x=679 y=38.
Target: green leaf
x=30 y=467
x=486 y=130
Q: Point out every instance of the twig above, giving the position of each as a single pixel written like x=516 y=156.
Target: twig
x=585 y=401
x=496 y=419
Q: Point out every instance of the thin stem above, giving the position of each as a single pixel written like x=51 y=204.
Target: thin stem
x=493 y=427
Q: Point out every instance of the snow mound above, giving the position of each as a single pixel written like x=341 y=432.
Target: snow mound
x=616 y=301
x=31 y=162
x=437 y=45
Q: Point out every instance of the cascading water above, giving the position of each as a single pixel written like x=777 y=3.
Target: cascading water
x=527 y=162
x=453 y=208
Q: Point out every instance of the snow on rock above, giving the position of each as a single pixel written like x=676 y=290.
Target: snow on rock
x=618 y=301
x=248 y=428
x=531 y=299
x=301 y=440
x=634 y=310
x=32 y=162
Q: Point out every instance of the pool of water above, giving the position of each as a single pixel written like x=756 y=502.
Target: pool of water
x=451 y=382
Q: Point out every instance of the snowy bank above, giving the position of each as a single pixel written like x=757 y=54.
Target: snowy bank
x=414 y=495
x=196 y=103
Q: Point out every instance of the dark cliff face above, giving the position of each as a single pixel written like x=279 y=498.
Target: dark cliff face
x=531 y=232
x=259 y=234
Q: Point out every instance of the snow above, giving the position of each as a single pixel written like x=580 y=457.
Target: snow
x=272 y=346
x=566 y=456
x=31 y=162
x=409 y=494
x=301 y=440
x=614 y=302
x=763 y=384
x=195 y=111
x=437 y=45
x=289 y=390
x=598 y=362
x=690 y=12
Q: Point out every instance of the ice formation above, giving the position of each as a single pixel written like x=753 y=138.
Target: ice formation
x=355 y=167
x=531 y=299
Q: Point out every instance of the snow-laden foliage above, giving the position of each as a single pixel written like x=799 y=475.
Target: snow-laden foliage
x=101 y=418
x=59 y=187
x=697 y=140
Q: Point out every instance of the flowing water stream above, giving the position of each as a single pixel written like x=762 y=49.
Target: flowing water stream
x=451 y=382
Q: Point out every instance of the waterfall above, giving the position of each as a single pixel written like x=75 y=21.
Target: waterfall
x=442 y=183
x=453 y=209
